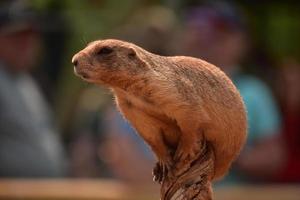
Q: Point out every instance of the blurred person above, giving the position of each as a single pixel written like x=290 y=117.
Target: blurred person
x=103 y=144
x=288 y=84
x=55 y=35
x=128 y=151
x=29 y=143
x=217 y=33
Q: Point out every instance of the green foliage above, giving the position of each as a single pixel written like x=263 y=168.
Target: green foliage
x=283 y=31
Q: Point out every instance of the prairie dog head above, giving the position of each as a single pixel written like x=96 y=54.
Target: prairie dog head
x=109 y=62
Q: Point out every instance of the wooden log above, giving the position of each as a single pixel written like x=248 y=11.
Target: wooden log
x=195 y=182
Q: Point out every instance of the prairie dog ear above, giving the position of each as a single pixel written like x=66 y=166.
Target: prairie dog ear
x=131 y=53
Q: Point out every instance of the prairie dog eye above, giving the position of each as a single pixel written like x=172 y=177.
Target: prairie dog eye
x=105 y=51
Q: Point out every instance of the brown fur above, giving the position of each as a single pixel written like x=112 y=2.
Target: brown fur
x=173 y=102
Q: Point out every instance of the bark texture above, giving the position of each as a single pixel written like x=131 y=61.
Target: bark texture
x=195 y=182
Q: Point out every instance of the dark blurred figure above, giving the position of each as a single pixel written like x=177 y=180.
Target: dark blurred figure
x=217 y=33
x=288 y=83
x=55 y=35
x=29 y=144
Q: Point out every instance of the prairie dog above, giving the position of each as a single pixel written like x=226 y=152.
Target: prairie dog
x=173 y=102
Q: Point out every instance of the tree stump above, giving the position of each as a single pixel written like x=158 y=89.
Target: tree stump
x=192 y=184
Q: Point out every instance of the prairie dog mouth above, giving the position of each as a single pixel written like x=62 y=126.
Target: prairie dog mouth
x=81 y=74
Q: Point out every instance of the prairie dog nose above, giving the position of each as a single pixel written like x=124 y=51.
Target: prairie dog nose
x=75 y=61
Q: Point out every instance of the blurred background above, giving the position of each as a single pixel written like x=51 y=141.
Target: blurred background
x=54 y=125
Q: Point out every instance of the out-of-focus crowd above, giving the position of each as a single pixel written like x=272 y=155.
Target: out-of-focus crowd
x=53 y=125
